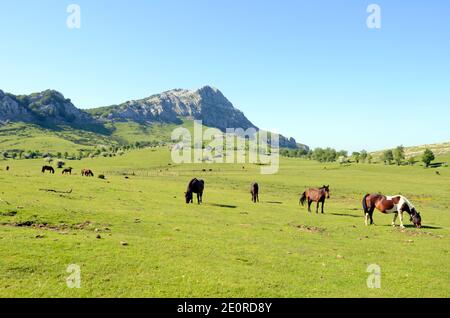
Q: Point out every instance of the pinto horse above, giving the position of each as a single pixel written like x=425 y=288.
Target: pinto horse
x=315 y=195
x=254 y=190
x=195 y=186
x=48 y=168
x=390 y=204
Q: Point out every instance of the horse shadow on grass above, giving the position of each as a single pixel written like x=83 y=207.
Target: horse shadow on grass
x=223 y=205
x=274 y=202
x=411 y=226
x=347 y=215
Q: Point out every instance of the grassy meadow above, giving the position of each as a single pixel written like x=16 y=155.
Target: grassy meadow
x=227 y=247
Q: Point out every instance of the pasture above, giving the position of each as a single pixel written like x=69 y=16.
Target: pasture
x=227 y=247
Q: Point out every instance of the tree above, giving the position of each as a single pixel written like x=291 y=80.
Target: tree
x=388 y=156
x=357 y=156
x=399 y=154
x=428 y=157
x=369 y=158
x=411 y=161
x=363 y=155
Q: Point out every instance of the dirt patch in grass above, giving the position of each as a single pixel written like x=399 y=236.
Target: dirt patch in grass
x=309 y=229
x=60 y=228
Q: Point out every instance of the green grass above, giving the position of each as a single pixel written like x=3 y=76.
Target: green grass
x=227 y=247
x=28 y=137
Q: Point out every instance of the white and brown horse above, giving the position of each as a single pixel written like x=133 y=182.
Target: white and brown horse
x=396 y=204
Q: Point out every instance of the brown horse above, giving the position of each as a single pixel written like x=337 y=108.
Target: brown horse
x=315 y=195
x=67 y=171
x=195 y=186
x=87 y=173
x=254 y=190
x=394 y=204
x=48 y=168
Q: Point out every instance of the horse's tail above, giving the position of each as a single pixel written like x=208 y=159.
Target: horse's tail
x=303 y=198
x=364 y=204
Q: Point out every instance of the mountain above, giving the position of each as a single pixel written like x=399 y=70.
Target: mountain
x=51 y=109
x=48 y=108
x=207 y=104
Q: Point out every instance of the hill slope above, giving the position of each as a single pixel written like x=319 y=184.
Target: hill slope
x=128 y=122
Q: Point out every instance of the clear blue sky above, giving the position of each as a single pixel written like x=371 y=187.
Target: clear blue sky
x=309 y=69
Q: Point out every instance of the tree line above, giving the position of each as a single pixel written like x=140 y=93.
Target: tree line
x=388 y=157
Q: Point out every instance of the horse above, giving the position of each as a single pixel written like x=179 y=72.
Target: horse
x=67 y=171
x=315 y=195
x=396 y=204
x=254 y=190
x=195 y=186
x=87 y=173
x=48 y=168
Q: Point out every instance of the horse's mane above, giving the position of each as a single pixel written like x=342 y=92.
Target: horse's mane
x=410 y=205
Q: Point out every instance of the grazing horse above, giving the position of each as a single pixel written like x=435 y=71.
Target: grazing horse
x=390 y=204
x=195 y=186
x=315 y=195
x=87 y=173
x=48 y=168
x=254 y=190
x=67 y=171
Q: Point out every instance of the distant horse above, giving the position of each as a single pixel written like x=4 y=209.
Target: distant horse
x=390 y=204
x=48 y=168
x=87 y=173
x=195 y=186
x=67 y=171
x=254 y=190
x=315 y=195
x=7 y=168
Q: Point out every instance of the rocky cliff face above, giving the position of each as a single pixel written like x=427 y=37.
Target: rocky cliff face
x=48 y=107
x=207 y=104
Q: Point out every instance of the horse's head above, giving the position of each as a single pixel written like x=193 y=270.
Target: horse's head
x=188 y=196
x=416 y=219
x=327 y=190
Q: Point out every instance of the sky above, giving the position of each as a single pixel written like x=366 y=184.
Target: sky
x=311 y=69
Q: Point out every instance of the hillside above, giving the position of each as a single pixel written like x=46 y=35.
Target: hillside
x=439 y=149
x=50 y=115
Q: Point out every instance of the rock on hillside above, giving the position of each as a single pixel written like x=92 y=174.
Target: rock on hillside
x=48 y=107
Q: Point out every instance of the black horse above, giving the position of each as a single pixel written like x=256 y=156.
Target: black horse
x=254 y=190
x=48 y=168
x=195 y=186
x=67 y=171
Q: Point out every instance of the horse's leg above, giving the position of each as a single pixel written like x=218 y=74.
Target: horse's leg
x=257 y=197
x=400 y=214
x=366 y=219
x=395 y=219
x=317 y=207
x=309 y=205
x=323 y=202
